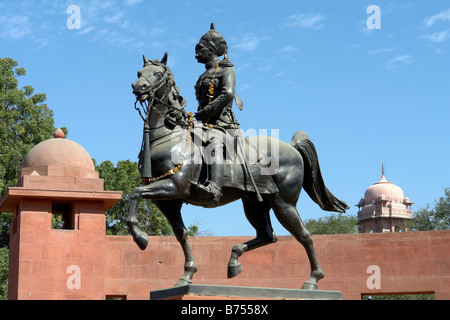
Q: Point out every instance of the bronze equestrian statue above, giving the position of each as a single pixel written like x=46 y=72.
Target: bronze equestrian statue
x=175 y=169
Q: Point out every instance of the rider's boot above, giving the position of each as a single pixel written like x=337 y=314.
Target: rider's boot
x=213 y=189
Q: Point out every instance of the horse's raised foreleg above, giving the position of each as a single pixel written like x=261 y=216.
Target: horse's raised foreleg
x=140 y=237
x=172 y=211
x=257 y=214
x=160 y=190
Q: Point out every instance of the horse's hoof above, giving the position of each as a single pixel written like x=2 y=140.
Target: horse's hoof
x=309 y=286
x=141 y=240
x=182 y=282
x=234 y=270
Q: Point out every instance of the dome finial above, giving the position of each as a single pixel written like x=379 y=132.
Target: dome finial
x=383 y=169
x=59 y=134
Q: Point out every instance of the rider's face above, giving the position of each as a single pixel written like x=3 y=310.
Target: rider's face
x=202 y=54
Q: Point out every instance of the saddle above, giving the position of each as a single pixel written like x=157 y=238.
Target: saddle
x=237 y=149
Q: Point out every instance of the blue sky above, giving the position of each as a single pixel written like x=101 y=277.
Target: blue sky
x=364 y=96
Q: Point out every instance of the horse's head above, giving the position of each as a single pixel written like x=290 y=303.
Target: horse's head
x=152 y=79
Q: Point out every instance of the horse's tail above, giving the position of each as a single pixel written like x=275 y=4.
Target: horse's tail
x=313 y=181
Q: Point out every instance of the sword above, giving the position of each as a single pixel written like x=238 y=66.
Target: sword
x=258 y=195
x=145 y=158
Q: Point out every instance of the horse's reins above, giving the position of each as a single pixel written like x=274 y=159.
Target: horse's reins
x=152 y=93
x=190 y=124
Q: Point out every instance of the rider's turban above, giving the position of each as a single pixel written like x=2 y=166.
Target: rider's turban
x=215 y=41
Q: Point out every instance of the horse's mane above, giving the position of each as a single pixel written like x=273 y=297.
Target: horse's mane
x=175 y=99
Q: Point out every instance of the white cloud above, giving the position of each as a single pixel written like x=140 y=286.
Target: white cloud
x=114 y=18
x=379 y=51
x=156 y=31
x=399 y=61
x=114 y=38
x=15 y=27
x=288 y=49
x=132 y=2
x=354 y=46
x=36 y=22
x=437 y=36
x=439 y=17
x=247 y=42
x=158 y=44
x=109 y=23
x=246 y=87
x=305 y=20
x=85 y=30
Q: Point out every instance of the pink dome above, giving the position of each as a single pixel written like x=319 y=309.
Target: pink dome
x=384 y=190
x=58 y=152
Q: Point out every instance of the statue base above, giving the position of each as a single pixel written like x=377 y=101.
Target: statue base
x=212 y=292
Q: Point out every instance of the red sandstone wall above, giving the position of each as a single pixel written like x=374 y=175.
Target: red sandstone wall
x=40 y=257
x=412 y=262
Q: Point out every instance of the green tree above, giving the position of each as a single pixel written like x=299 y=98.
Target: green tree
x=25 y=120
x=124 y=177
x=332 y=224
x=5 y=223
x=4 y=267
x=400 y=297
x=432 y=218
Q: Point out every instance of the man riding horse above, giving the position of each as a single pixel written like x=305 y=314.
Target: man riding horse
x=171 y=184
x=215 y=90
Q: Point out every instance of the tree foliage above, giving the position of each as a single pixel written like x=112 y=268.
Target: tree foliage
x=124 y=177
x=332 y=224
x=432 y=218
x=4 y=267
x=25 y=120
x=5 y=223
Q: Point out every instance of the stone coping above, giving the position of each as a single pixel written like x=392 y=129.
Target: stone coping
x=244 y=292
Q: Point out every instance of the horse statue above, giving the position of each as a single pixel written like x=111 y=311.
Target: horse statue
x=170 y=130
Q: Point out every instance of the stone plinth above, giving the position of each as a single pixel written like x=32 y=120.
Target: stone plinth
x=211 y=292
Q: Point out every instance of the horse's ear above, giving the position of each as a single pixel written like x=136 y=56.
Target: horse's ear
x=164 y=59
x=146 y=62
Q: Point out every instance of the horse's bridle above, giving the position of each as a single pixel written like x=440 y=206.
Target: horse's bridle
x=164 y=101
x=151 y=93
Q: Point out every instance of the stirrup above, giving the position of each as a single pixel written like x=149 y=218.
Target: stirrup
x=211 y=191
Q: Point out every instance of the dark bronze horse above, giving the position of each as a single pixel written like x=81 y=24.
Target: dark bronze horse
x=173 y=185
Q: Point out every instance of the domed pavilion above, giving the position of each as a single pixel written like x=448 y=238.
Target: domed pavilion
x=58 y=225
x=384 y=208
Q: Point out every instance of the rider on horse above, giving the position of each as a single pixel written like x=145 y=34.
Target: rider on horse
x=215 y=90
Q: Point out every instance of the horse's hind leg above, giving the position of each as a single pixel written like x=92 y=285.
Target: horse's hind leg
x=289 y=218
x=257 y=214
x=172 y=211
